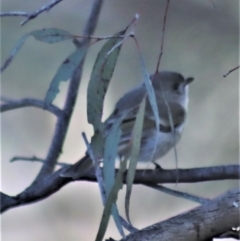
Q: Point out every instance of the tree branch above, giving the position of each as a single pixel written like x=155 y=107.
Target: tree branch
x=52 y=183
x=210 y=220
x=230 y=71
x=34 y=159
x=16 y=104
x=63 y=122
x=31 y=15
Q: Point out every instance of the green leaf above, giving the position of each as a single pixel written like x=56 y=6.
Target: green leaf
x=51 y=35
x=135 y=148
x=14 y=52
x=97 y=88
x=112 y=197
x=152 y=100
x=117 y=219
x=100 y=79
x=110 y=153
x=64 y=73
x=151 y=94
x=193 y=198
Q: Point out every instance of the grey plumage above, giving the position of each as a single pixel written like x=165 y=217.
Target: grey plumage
x=170 y=87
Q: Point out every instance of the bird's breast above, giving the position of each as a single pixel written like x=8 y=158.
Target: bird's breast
x=154 y=145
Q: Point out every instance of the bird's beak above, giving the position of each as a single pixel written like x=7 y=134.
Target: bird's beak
x=188 y=80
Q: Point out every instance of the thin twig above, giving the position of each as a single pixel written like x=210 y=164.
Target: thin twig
x=31 y=15
x=97 y=37
x=35 y=159
x=24 y=158
x=14 y=14
x=136 y=17
x=230 y=71
x=164 y=98
x=163 y=34
x=28 y=102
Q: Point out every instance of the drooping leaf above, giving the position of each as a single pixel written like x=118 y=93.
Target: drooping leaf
x=110 y=153
x=97 y=87
x=187 y=196
x=112 y=197
x=14 y=51
x=135 y=148
x=152 y=100
x=94 y=149
x=100 y=78
x=117 y=219
x=51 y=35
x=64 y=73
x=150 y=92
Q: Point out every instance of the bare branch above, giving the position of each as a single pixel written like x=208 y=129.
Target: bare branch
x=63 y=122
x=24 y=158
x=16 y=104
x=14 y=14
x=52 y=183
x=91 y=23
x=31 y=15
x=34 y=159
x=230 y=71
x=203 y=223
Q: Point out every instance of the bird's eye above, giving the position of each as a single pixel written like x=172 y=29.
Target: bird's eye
x=175 y=86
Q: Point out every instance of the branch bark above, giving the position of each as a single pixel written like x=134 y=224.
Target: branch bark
x=52 y=183
x=200 y=224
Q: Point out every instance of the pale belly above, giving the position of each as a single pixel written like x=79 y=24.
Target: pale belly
x=155 y=146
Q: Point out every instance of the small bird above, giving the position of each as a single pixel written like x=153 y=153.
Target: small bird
x=171 y=91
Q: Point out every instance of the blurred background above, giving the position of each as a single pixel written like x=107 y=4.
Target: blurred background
x=201 y=40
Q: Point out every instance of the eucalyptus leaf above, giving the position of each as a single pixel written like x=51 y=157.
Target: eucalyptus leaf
x=151 y=94
x=112 y=197
x=152 y=100
x=117 y=219
x=100 y=79
x=135 y=148
x=110 y=153
x=65 y=72
x=51 y=35
x=97 y=88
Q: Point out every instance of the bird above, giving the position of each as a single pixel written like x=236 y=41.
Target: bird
x=171 y=92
